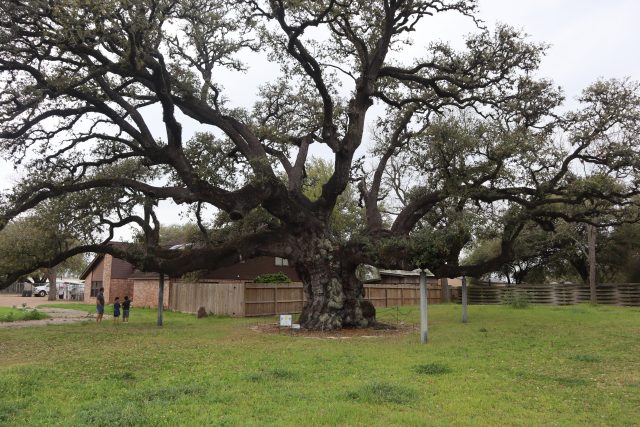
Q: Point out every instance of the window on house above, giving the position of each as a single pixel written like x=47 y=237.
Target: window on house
x=95 y=288
x=282 y=262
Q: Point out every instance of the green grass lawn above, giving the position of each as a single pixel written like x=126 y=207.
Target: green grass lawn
x=8 y=314
x=561 y=366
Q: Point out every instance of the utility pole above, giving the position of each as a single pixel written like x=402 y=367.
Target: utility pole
x=424 y=327
x=591 y=239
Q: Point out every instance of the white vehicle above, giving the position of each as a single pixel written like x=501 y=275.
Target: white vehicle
x=74 y=291
x=71 y=289
x=41 y=290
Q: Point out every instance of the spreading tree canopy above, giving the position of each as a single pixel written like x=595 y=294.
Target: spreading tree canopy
x=459 y=143
x=43 y=234
x=563 y=254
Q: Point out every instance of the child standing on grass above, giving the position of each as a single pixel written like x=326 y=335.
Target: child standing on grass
x=116 y=310
x=100 y=305
x=125 y=309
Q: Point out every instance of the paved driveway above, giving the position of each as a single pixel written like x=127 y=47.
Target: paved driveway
x=17 y=300
x=56 y=315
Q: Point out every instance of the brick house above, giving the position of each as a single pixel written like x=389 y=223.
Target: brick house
x=119 y=278
x=112 y=274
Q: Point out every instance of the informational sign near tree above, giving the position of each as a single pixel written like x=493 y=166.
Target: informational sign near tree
x=285 y=320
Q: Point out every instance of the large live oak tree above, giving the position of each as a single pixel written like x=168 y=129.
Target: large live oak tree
x=462 y=143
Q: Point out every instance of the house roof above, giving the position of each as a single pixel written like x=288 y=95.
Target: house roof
x=137 y=274
x=96 y=260
x=174 y=245
x=400 y=273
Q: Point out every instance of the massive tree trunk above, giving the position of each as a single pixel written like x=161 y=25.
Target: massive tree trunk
x=333 y=293
x=53 y=290
x=446 y=291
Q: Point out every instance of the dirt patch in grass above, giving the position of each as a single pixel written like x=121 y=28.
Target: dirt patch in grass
x=32 y=302
x=380 y=330
x=52 y=316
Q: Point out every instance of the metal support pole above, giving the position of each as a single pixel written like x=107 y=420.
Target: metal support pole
x=424 y=327
x=464 y=299
x=160 y=299
x=591 y=239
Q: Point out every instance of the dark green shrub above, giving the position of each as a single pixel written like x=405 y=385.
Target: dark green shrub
x=22 y=314
x=7 y=318
x=272 y=278
x=33 y=315
x=516 y=298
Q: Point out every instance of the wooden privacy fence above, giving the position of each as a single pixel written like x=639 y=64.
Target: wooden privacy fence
x=14 y=288
x=395 y=295
x=224 y=299
x=266 y=299
x=626 y=294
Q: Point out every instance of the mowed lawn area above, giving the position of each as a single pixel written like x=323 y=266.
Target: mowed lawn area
x=575 y=365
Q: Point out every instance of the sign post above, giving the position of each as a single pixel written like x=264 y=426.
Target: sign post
x=285 y=320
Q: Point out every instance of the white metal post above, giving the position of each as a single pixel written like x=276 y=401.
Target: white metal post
x=424 y=327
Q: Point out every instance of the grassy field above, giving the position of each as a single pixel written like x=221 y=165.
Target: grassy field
x=575 y=365
x=8 y=314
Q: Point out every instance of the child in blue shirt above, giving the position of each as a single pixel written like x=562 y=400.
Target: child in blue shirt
x=116 y=310
x=126 y=305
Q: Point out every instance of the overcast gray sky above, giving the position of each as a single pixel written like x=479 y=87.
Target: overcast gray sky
x=589 y=39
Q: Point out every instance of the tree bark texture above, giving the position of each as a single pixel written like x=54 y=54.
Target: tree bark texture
x=53 y=289
x=333 y=293
x=446 y=291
